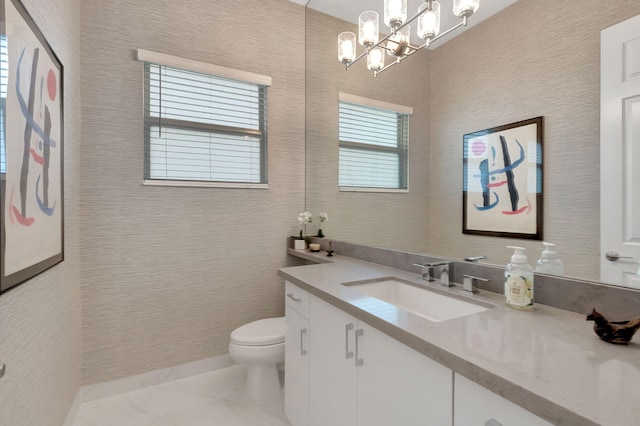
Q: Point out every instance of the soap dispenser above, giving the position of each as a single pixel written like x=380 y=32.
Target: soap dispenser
x=518 y=280
x=549 y=262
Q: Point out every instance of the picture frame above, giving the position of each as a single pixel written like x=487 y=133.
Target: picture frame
x=503 y=181
x=32 y=149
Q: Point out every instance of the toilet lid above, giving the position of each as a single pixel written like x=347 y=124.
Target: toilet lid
x=263 y=332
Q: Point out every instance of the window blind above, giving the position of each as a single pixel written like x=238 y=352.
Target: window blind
x=373 y=147
x=4 y=79
x=202 y=127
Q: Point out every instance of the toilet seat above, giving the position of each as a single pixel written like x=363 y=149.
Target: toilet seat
x=264 y=332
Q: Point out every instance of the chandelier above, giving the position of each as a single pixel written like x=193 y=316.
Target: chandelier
x=397 y=42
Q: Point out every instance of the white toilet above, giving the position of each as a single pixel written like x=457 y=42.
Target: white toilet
x=260 y=346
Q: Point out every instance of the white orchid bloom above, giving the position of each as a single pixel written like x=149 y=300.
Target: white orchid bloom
x=323 y=217
x=304 y=217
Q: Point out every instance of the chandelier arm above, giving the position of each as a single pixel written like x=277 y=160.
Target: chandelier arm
x=410 y=20
x=386 y=67
x=368 y=49
x=455 y=27
x=397 y=61
x=413 y=49
x=416 y=48
x=360 y=56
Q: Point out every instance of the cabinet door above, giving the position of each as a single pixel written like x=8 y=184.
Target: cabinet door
x=399 y=386
x=332 y=396
x=477 y=406
x=296 y=377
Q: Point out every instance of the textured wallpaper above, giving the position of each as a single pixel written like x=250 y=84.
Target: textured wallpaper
x=40 y=319
x=535 y=58
x=169 y=272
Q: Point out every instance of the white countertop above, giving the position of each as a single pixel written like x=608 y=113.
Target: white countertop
x=546 y=360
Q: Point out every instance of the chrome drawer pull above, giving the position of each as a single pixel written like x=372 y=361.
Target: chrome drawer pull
x=292 y=297
x=348 y=354
x=359 y=361
x=303 y=351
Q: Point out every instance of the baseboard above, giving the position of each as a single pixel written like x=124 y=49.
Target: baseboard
x=153 y=378
x=73 y=409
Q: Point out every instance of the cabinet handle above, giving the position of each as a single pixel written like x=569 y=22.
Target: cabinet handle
x=347 y=354
x=492 y=422
x=359 y=361
x=292 y=297
x=303 y=333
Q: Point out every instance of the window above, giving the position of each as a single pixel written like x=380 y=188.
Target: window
x=203 y=123
x=374 y=138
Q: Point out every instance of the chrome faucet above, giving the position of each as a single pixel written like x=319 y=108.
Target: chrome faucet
x=445 y=270
x=427 y=271
x=475 y=258
x=469 y=283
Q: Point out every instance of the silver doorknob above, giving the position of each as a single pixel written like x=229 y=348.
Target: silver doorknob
x=613 y=256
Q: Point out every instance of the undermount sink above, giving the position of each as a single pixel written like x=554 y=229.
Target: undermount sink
x=418 y=300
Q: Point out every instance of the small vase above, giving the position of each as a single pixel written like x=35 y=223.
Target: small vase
x=320 y=234
x=299 y=244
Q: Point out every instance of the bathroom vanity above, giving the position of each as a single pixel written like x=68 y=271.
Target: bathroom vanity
x=354 y=359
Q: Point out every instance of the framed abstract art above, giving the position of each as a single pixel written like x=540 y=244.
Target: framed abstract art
x=502 y=181
x=31 y=149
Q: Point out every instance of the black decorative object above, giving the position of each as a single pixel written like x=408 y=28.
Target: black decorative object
x=330 y=252
x=619 y=333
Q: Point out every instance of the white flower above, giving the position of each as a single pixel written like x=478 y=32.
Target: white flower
x=304 y=217
x=323 y=217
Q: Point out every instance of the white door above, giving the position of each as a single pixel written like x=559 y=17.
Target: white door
x=620 y=153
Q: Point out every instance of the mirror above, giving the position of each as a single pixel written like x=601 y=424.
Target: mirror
x=503 y=70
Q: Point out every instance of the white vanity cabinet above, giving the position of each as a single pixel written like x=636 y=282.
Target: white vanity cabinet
x=360 y=376
x=296 y=355
x=477 y=406
x=340 y=371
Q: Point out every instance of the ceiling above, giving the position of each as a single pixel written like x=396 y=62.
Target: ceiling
x=349 y=10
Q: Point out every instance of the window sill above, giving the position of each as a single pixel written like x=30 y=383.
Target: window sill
x=364 y=189
x=203 y=184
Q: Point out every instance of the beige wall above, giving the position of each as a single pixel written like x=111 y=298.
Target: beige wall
x=536 y=58
x=169 y=272
x=40 y=319
x=392 y=220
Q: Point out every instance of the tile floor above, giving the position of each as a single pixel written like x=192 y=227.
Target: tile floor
x=213 y=399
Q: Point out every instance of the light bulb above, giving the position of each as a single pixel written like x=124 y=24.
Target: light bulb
x=346 y=47
x=465 y=8
x=395 y=12
x=368 y=28
x=375 y=59
x=429 y=22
